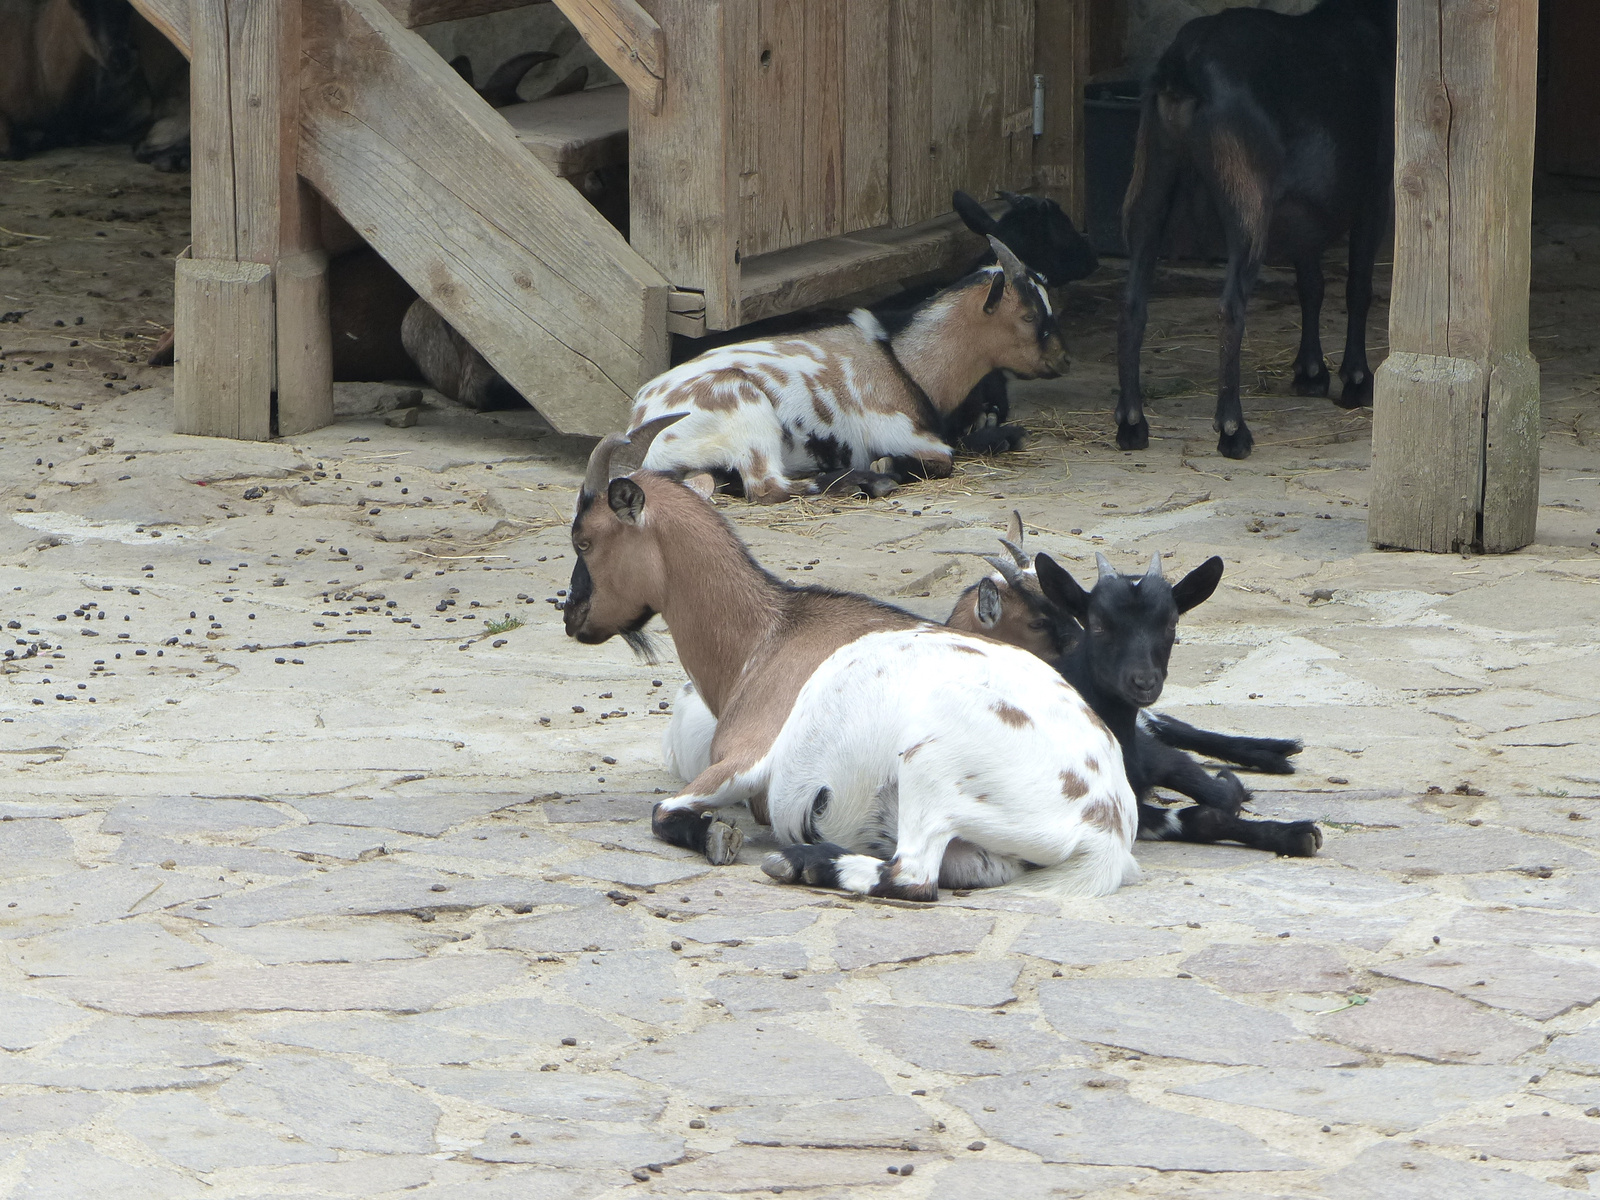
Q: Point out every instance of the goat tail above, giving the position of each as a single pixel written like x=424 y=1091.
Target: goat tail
x=1266 y=756
x=1101 y=863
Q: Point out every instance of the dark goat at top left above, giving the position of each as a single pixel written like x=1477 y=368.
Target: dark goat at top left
x=68 y=73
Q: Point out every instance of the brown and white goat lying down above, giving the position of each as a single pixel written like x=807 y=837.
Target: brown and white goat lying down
x=852 y=405
x=827 y=721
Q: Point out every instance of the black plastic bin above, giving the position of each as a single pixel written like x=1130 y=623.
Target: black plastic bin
x=1110 y=130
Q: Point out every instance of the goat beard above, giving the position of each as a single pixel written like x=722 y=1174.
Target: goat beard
x=644 y=646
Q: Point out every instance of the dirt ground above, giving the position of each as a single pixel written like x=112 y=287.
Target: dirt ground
x=191 y=622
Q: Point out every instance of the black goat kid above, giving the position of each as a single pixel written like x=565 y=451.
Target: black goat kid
x=1119 y=666
x=1286 y=126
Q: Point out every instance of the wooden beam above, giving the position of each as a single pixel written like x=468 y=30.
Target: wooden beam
x=171 y=17
x=223 y=316
x=412 y=13
x=1456 y=422
x=627 y=39
x=506 y=251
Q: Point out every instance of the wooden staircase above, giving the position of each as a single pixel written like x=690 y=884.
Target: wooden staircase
x=768 y=171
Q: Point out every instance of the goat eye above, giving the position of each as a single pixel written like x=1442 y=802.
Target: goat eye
x=581 y=547
x=1038 y=624
x=1031 y=317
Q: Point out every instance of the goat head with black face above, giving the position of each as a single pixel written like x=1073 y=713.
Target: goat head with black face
x=1129 y=622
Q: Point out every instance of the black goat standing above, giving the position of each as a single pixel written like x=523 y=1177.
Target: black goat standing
x=1286 y=125
x=1119 y=666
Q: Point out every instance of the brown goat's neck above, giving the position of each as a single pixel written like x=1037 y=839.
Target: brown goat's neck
x=942 y=351
x=720 y=606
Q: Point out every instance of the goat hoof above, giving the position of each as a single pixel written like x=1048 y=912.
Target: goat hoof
x=1356 y=394
x=1301 y=839
x=1238 y=796
x=1134 y=437
x=1311 y=385
x=722 y=843
x=881 y=466
x=1237 y=444
x=815 y=864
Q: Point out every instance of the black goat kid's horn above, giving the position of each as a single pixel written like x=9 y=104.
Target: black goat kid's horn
x=1107 y=571
x=1155 y=566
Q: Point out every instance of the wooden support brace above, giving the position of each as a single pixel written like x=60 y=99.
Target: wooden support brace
x=627 y=39
x=1455 y=438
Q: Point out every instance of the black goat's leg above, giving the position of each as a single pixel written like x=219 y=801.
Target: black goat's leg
x=1234 y=439
x=1268 y=756
x=1310 y=371
x=1365 y=233
x=1165 y=767
x=1144 y=222
x=1202 y=825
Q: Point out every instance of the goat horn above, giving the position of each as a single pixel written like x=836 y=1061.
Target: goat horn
x=1107 y=571
x=598 y=475
x=1155 y=566
x=1016 y=552
x=622 y=453
x=1014 y=528
x=1008 y=571
x=1012 y=265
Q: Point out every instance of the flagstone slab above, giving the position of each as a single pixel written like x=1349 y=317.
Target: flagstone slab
x=428 y=816
x=90 y=895
x=537 y=1023
x=1089 y=943
x=377 y=887
x=895 y=1122
x=405 y=986
x=768 y=993
x=71 y=1169
x=1029 y=1181
x=407 y=1040
x=143 y=849
x=1578 y=1051
x=39 y=1112
x=1508 y=977
x=1279 y=965
x=504 y=842
x=592 y=927
x=1062 y=1116
x=321 y=939
x=1524 y=1138
x=970 y=982
x=881 y=934
x=1139 y=1014
x=109 y=949
x=578 y=1144
x=330 y=1104
x=125 y=1054
x=642 y=984
x=555 y=1095
x=1390 y=1099
x=349 y=842
x=1401 y=1172
x=1453 y=850
x=961 y=1042
x=752 y=1169
x=635 y=870
x=1430 y=1024
x=35 y=846
x=191 y=814
x=1522 y=927
x=186 y=1131
x=744 y=927
x=30 y=1020
x=1563 y=889
x=609 y=806
x=748 y=1060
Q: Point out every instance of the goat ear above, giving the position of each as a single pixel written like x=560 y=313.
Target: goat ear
x=703 y=485
x=1061 y=588
x=626 y=499
x=997 y=290
x=989 y=605
x=975 y=216
x=1197 y=586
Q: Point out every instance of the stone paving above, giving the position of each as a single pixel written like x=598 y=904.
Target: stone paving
x=312 y=886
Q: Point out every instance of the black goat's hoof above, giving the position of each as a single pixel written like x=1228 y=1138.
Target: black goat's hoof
x=1356 y=393
x=1238 y=795
x=994 y=439
x=814 y=864
x=1301 y=839
x=1134 y=437
x=722 y=843
x=1312 y=385
x=1237 y=444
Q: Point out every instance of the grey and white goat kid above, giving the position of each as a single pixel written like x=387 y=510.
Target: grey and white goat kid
x=826 y=725
x=851 y=405
x=1118 y=663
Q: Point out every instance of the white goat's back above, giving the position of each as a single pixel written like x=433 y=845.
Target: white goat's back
x=975 y=740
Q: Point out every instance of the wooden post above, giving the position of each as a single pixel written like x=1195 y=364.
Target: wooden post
x=1455 y=438
x=1061 y=55
x=249 y=207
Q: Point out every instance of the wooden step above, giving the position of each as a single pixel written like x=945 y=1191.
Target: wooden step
x=578 y=132
x=816 y=273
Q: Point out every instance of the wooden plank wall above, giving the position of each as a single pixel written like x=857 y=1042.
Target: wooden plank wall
x=961 y=102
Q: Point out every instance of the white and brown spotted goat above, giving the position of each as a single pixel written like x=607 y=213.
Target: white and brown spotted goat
x=852 y=405
x=826 y=723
